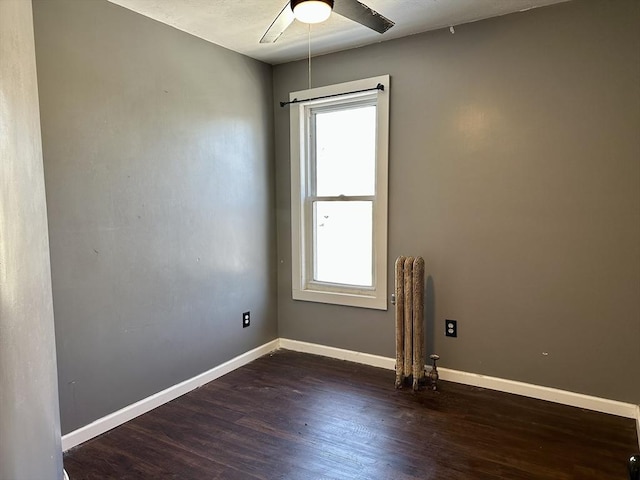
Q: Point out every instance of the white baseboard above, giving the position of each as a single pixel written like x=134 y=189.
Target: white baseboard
x=638 y=424
x=134 y=410
x=539 y=392
x=339 y=353
x=564 y=397
x=145 y=405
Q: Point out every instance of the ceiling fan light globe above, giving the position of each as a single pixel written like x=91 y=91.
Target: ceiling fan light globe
x=311 y=11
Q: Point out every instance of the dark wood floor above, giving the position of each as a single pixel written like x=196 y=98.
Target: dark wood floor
x=296 y=416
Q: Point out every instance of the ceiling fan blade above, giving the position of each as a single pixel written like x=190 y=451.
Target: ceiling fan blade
x=359 y=12
x=279 y=25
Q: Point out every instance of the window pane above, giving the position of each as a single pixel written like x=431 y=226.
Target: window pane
x=343 y=242
x=346 y=151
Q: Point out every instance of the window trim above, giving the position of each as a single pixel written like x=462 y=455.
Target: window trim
x=308 y=290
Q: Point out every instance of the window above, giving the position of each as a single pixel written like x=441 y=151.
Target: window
x=339 y=150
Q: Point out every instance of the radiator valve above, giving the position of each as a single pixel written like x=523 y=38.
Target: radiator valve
x=433 y=374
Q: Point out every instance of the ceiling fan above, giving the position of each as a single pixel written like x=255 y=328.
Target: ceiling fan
x=316 y=11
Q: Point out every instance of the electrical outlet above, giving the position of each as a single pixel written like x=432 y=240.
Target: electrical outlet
x=451 y=328
x=246 y=319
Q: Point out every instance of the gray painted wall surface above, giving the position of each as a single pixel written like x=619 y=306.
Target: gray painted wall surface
x=515 y=173
x=158 y=152
x=29 y=416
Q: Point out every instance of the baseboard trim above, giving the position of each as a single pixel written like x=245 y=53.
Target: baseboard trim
x=540 y=392
x=638 y=424
x=339 y=353
x=613 y=407
x=145 y=405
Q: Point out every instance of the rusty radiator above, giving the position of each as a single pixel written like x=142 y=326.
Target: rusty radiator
x=409 y=297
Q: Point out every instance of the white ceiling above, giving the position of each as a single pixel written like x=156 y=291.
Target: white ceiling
x=239 y=24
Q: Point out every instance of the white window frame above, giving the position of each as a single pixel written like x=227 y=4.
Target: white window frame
x=303 y=285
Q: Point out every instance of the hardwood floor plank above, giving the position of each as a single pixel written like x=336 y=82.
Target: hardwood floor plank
x=296 y=416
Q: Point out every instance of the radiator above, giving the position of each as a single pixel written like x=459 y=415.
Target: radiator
x=409 y=298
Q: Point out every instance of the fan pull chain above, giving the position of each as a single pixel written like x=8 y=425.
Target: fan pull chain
x=309 y=56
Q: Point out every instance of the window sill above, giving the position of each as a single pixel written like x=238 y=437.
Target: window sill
x=341 y=298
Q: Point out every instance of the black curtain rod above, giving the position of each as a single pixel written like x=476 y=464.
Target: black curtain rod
x=295 y=100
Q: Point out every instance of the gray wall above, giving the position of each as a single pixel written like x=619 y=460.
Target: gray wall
x=515 y=173
x=158 y=152
x=29 y=416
